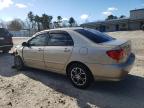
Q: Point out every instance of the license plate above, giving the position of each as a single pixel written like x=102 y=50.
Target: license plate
x=1 y=38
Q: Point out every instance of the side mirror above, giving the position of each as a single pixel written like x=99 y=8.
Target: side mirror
x=25 y=44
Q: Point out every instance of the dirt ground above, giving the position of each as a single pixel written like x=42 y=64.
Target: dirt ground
x=40 y=89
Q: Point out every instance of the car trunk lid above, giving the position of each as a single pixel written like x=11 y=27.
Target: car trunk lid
x=119 y=49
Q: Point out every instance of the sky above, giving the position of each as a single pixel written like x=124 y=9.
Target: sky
x=81 y=10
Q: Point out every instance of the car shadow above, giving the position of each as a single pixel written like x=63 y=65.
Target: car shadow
x=6 y=62
x=126 y=93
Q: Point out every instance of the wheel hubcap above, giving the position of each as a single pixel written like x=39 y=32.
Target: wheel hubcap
x=78 y=76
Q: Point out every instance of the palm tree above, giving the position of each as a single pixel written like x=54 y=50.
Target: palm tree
x=59 y=19
x=31 y=18
x=46 y=20
x=71 y=21
x=38 y=21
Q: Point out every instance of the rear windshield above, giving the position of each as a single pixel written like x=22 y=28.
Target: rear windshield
x=4 y=32
x=94 y=35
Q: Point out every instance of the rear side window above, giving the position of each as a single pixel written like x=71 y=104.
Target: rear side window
x=60 y=39
x=94 y=35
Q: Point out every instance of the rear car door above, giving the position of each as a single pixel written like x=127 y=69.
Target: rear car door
x=33 y=54
x=58 y=51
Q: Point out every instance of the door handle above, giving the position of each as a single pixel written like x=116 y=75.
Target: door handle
x=67 y=50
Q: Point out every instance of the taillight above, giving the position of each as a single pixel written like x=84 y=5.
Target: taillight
x=116 y=54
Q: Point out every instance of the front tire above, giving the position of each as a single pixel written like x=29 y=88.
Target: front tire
x=18 y=63
x=80 y=76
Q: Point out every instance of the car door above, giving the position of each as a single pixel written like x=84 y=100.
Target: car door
x=33 y=54
x=58 y=51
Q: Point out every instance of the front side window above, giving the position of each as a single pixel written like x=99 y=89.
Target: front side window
x=94 y=35
x=60 y=39
x=40 y=40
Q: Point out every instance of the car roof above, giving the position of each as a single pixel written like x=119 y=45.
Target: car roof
x=61 y=29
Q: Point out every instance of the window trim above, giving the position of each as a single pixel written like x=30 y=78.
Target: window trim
x=68 y=37
x=37 y=36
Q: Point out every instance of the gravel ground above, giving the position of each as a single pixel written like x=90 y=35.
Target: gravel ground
x=40 y=89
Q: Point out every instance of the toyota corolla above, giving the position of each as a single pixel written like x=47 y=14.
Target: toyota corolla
x=84 y=55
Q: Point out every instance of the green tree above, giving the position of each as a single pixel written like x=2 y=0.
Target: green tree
x=59 y=20
x=122 y=16
x=110 y=17
x=31 y=18
x=45 y=21
x=15 y=25
x=37 y=20
x=71 y=21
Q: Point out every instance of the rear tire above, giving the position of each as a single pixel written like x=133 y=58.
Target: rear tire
x=80 y=76
x=18 y=63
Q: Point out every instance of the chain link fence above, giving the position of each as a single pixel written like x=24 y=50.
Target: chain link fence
x=23 y=33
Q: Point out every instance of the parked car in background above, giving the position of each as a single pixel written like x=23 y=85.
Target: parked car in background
x=142 y=27
x=84 y=55
x=6 y=42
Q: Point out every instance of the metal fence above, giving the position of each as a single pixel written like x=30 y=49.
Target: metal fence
x=22 y=33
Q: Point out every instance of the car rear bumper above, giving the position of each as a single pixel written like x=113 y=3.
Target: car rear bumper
x=113 y=72
x=6 y=47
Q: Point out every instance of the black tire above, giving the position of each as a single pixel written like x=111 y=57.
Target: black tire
x=18 y=63
x=5 y=51
x=80 y=75
x=142 y=27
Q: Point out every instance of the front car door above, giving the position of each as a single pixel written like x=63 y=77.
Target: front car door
x=58 y=51
x=33 y=54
